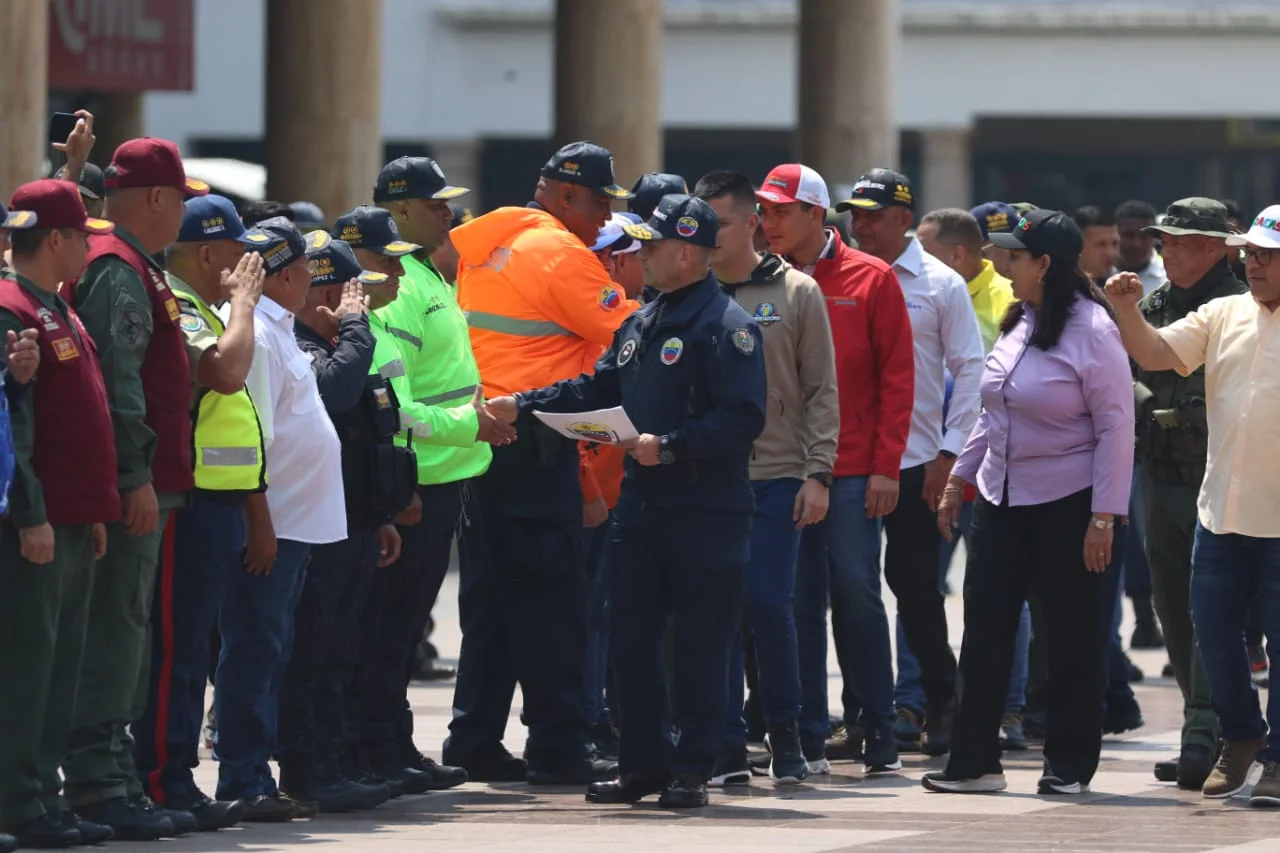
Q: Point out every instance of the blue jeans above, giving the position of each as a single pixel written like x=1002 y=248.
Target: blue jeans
x=909 y=692
x=1227 y=572
x=769 y=595
x=256 y=623
x=599 y=573
x=840 y=561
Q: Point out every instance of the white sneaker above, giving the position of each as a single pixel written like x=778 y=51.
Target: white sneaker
x=988 y=783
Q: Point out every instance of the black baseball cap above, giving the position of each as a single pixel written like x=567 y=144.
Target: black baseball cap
x=93 y=184
x=586 y=165
x=878 y=189
x=1045 y=232
x=369 y=227
x=414 y=177
x=279 y=242
x=461 y=215
x=679 y=217
x=650 y=189
x=331 y=261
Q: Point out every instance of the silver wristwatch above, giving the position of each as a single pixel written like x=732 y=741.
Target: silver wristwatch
x=1102 y=523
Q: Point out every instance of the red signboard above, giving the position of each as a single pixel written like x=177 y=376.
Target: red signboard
x=121 y=45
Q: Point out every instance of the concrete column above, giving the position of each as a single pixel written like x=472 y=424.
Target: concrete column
x=24 y=71
x=459 y=159
x=609 y=80
x=117 y=117
x=848 y=87
x=323 y=101
x=947 y=179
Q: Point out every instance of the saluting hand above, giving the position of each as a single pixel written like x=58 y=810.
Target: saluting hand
x=354 y=300
x=1124 y=289
x=23 y=354
x=37 y=543
x=246 y=280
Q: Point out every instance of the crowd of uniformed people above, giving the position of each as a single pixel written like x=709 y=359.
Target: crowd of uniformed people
x=244 y=445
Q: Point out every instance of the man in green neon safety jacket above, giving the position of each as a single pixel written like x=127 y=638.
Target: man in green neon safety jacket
x=423 y=349
x=225 y=526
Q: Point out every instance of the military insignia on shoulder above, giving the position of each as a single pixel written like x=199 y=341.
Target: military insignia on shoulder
x=628 y=350
x=743 y=341
x=191 y=323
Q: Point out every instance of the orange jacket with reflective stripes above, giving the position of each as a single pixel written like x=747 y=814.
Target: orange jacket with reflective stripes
x=539 y=304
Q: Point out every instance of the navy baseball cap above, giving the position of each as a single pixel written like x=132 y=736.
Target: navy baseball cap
x=414 y=177
x=208 y=218
x=461 y=215
x=996 y=217
x=369 y=227
x=878 y=189
x=93 y=184
x=650 y=189
x=307 y=214
x=586 y=165
x=679 y=217
x=278 y=241
x=331 y=261
x=1045 y=232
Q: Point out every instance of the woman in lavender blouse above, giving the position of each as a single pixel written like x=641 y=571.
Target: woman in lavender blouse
x=1052 y=457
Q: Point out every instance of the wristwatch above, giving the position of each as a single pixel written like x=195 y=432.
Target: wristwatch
x=1102 y=523
x=665 y=454
x=947 y=453
x=823 y=477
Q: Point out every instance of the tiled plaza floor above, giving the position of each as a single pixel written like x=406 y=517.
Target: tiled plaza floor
x=1128 y=811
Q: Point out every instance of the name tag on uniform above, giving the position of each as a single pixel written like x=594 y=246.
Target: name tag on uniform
x=65 y=349
x=381 y=398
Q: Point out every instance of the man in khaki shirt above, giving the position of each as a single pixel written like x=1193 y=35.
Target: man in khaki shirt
x=1237 y=542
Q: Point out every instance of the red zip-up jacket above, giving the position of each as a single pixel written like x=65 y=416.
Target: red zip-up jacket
x=875 y=363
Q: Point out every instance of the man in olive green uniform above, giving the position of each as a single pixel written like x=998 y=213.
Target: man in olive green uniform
x=133 y=317
x=1172 y=447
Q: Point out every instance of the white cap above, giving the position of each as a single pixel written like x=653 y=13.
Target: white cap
x=793 y=182
x=1264 y=232
x=612 y=233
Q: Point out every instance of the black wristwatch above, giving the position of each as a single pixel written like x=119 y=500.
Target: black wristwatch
x=665 y=454
x=823 y=477
x=947 y=453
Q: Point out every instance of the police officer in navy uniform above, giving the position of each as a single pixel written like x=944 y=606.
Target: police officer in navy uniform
x=689 y=372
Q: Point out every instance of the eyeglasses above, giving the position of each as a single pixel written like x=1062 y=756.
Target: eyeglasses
x=1262 y=257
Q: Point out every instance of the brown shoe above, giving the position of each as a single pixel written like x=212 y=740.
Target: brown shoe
x=1267 y=792
x=845 y=744
x=1232 y=770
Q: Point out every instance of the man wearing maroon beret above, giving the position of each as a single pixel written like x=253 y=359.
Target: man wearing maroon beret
x=130 y=312
x=64 y=492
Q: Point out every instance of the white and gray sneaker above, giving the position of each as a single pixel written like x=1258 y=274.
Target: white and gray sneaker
x=731 y=767
x=943 y=783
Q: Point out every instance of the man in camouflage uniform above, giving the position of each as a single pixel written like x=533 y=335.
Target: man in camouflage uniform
x=1172 y=448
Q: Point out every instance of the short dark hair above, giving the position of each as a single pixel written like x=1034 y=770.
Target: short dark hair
x=720 y=183
x=1091 y=215
x=955 y=226
x=253 y=212
x=29 y=241
x=1136 y=209
x=1233 y=208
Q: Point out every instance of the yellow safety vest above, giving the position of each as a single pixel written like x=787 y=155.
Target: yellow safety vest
x=227 y=450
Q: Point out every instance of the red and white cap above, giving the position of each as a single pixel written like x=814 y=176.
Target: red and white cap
x=793 y=182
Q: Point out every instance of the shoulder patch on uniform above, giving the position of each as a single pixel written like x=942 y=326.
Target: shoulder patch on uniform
x=766 y=314
x=610 y=298
x=743 y=341
x=672 y=349
x=628 y=350
x=191 y=323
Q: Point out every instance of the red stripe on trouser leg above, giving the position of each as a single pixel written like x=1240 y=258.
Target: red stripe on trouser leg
x=163 y=697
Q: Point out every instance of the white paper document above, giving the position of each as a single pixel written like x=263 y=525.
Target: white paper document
x=603 y=426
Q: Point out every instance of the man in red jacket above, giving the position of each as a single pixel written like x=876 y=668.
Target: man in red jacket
x=841 y=556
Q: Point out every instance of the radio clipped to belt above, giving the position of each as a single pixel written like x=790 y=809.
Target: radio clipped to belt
x=393 y=469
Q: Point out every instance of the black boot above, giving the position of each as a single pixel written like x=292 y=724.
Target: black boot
x=631 y=788
x=685 y=791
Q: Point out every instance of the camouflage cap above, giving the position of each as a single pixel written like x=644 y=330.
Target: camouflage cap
x=1195 y=215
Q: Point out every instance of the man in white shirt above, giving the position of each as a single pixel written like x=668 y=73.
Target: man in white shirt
x=305 y=498
x=945 y=335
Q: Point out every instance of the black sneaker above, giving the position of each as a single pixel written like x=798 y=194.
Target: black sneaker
x=183 y=821
x=210 y=814
x=1195 y=763
x=1115 y=722
x=938 y=723
x=1051 y=784
x=128 y=821
x=576 y=773
x=685 y=791
x=815 y=755
x=90 y=833
x=441 y=776
x=944 y=783
x=789 y=766
x=491 y=763
x=631 y=788
x=881 y=754
x=277 y=809
x=47 y=832
x=731 y=767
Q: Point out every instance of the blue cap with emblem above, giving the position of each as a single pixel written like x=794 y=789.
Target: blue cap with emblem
x=586 y=165
x=278 y=241
x=372 y=228
x=679 y=217
x=996 y=217
x=414 y=177
x=307 y=214
x=331 y=261
x=649 y=190
x=210 y=217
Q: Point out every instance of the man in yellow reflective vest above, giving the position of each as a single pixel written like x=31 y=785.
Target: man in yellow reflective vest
x=225 y=526
x=422 y=348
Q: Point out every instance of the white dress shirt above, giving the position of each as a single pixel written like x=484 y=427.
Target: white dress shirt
x=304 y=456
x=1153 y=274
x=945 y=333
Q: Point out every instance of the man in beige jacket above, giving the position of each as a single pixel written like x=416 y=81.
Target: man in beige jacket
x=791 y=468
